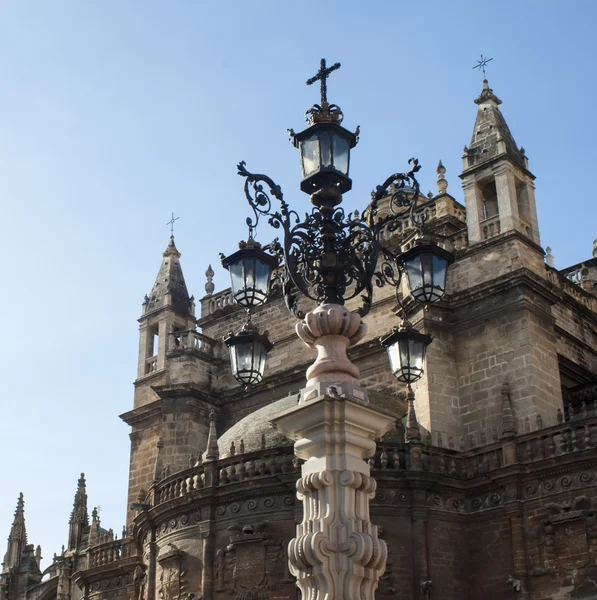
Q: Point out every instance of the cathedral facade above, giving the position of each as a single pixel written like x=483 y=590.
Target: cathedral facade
x=489 y=490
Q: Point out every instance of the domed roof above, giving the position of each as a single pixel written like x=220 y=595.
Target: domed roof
x=251 y=429
x=254 y=426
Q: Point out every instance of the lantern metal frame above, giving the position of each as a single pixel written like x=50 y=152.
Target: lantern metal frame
x=248 y=335
x=406 y=333
x=249 y=296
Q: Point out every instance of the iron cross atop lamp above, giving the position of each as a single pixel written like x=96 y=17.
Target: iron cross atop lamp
x=328 y=256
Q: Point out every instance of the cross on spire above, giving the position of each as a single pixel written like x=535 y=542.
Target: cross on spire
x=481 y=64
x=171 y=223
x=322 y=75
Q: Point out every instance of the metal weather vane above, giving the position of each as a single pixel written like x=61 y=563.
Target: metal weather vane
x=171 y=223
x=481 y=64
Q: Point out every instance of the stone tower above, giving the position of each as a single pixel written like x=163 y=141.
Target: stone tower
x=494 y=333
x=498 y=187
x=174 y=368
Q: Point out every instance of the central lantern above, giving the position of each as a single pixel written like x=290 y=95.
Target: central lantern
x=325 y=154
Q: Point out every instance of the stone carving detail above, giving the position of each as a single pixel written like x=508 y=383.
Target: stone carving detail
x=569 y=537
x=336 y=538
x=140 y=580
x=253 y=565
x=172 y=582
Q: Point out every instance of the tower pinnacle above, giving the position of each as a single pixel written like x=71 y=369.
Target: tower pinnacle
x=79 y=518
x=170 y=288
x=17 y=539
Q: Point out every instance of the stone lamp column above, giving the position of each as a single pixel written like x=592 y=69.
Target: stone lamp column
x=336 y=554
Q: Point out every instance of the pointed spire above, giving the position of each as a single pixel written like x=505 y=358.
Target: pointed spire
x=158 y=468
x=491 y=135
x=79 y=518
x=212 y=439
x=169 y=288
x=508 y=426
x=413 y=432
x=17 y=539
x=442 y=182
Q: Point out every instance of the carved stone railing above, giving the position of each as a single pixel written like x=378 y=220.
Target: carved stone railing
x=191 y=340
x=573 y=275
x=490 y=227
x=254 y=465
x=216 y=302
x=111 y=552
x=525 y=226
x=179 y=484
x=560 y=280
x=151 y=365
x=577 y=434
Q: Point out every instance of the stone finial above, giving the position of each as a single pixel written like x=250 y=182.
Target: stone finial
x=212 y=439
x=242 y=446
x=413 y=432
x=209 y=286
x=442 y=182
x=508 y=427
x=232 y=449
x=539 y=421
x=595 y=249
x=549 y=259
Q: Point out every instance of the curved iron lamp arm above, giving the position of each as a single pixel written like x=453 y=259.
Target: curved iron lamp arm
x=329 y=256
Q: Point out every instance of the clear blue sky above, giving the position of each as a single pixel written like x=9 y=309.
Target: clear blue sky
x=114 y=113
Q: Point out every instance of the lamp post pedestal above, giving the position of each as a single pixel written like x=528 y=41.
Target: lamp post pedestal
x=336 y=554
x=331 y=329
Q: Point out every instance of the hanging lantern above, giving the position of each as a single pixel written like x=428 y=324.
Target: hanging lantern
x=426 y=266
x=250 y=273
x=248 y=350
x=406 y=349
x=325 y=157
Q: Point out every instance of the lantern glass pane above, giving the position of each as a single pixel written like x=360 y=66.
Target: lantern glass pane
x=440 y=266
x=413 y=272
x=262 y=277
x=244 y=357
x=236 y=277
x=325 y=148
x=341 y=153
x=310 y=155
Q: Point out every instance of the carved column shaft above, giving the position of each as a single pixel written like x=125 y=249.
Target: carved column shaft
x=336 y=554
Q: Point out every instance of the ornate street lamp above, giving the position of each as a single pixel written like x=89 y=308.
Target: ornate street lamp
x=250 y=273
x=330 y=258
x=248 y=350
x=426 y=266
x=406 y=350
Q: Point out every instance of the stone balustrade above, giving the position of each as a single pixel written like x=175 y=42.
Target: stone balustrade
x=490 y=227
x=215 y=302
x=191 y=340
x=567 y=285
x=577 y=433
x=111 y=552
x=179 y=484
x=254 y=465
